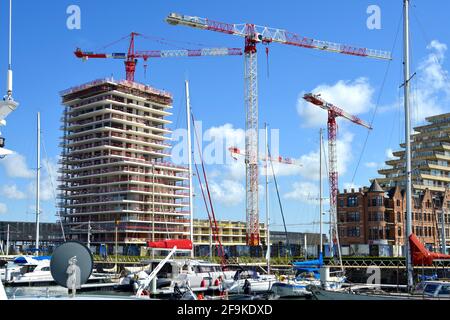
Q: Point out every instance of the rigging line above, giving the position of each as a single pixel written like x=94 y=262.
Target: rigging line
x=206 y=203
x=52 y=186
x=421 y=28
x=204 y=199
x=114 y=42
x=377 y=105
x=428 y=41
x=207 y=186
x=398 y=107
x=165 y=43
x=149 y=37
x=180 y=113
x=281 y=206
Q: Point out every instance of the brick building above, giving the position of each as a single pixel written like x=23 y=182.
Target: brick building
x=375 y=216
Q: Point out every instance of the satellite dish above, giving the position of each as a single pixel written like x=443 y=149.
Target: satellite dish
x=71 y=264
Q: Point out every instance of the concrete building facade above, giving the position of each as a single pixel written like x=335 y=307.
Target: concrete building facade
x=117 y=182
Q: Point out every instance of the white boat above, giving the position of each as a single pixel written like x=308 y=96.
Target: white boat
x=249 y=282
x=35 y=271
x=298 y=287
x=200 y=275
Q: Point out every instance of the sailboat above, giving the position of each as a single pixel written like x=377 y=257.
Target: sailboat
x=309 y=271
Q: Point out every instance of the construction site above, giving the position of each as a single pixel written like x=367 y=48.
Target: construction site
x=154 y=224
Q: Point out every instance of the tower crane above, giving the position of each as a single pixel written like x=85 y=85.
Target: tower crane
x=254 y=35
x=235 y=151
x=132 y=56
x=333 y=113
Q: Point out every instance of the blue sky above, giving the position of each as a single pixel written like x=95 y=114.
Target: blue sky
x=44 y=65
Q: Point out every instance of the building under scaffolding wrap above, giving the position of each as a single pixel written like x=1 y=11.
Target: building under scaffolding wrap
x=116 y=181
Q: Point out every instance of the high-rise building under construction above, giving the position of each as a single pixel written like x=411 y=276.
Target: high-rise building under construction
x=116 y=183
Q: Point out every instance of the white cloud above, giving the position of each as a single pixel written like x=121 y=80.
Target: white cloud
x=390 y=154
x=12 y=192
x=430 y=89
x=354 y=97
x=3 y=208
x=16 y=166
x=217 y=141
x=303 y=191
x=372 y=165
x=228 y=192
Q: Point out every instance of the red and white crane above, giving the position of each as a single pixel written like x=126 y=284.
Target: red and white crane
x=254 y=35
x=333 y=113
x=132 y=55
x=235 y=151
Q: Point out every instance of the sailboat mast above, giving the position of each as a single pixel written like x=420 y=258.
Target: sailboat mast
x=189 y=145
x=38 y=178
x=408 y=144
x=267 y=201
x=320 y=194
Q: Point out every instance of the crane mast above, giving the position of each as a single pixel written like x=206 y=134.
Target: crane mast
x=333 y=113
x=254 y=35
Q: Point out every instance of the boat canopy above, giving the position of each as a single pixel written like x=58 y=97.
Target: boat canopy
x=182 y=244
x=309 y=264
x=30 y=259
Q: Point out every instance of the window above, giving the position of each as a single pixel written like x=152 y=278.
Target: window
x=376 y=216
x=445 y=289
x=431 y=288
x=353 y=232
x=398 y=203
x=352 y=201
x=377 y=201
x=399 y=217
x=399 y=232
x=353 y=217
x=341 y=203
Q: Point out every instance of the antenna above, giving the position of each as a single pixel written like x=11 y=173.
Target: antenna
x=9 y=81
x=7 y=105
